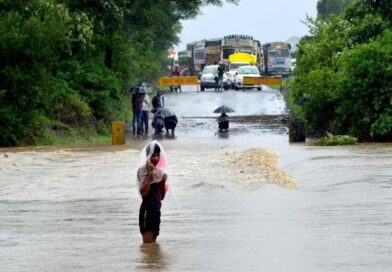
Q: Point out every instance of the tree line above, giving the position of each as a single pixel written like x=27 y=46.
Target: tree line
x=343 y=77
x=66 y=64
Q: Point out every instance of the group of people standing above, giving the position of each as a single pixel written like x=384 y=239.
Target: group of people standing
x=142 y=105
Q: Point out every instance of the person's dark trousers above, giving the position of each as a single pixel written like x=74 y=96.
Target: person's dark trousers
x=137 y=122
x=144 y=121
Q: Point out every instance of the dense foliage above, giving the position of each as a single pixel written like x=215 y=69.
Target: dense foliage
x=66 y=64
x=328 y=7
x=343 y=78
x=332 y=140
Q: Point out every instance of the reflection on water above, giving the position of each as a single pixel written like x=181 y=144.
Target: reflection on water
x=153 y=258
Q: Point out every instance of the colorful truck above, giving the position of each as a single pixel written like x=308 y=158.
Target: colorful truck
x=277 y=60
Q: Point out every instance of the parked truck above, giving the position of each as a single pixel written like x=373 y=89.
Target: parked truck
x=277 y=60
x=213 y=51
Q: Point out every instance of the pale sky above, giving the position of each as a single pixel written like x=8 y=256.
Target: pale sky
x=265 y=20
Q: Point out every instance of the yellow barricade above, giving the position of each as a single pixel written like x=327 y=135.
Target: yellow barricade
x=118 y=136
x=175 y=81
x=262 y=81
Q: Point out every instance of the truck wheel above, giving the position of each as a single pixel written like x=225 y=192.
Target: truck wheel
x=259 y=88
x=202 y=88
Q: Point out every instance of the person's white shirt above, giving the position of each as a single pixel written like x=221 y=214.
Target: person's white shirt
x=146 y=105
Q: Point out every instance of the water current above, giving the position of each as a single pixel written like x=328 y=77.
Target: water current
x=243 y=201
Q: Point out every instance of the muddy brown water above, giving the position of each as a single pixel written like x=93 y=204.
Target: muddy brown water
x=248 y=201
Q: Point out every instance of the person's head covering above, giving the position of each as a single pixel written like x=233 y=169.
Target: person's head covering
x=151 y=148
x=147 y=151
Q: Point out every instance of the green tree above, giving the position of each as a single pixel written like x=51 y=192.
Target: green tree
x=67 y=63
x=332 y=7
x=343 y=74
x=364 y=106
x=34 y=37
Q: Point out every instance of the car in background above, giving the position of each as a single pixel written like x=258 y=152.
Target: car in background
x=228 y=80
x=229 y=76
x=246 y=71
x=207 y=77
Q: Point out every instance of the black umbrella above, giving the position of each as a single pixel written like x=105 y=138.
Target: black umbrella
x=163 y=112
x=223 y=109
x=141 y=90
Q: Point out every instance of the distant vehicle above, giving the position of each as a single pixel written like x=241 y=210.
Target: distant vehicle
x=207 y=77
x=213 y=51
x=235 y=62
x=277 y=58
x=229 y=79
x=199 y=55
x=280 y=70
x=246 y=71
x=232 y=44
x=184 y=63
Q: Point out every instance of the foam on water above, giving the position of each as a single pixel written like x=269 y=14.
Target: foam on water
x=258 y=166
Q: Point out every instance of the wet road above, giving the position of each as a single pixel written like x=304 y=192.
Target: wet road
x=247 y=201
x=255 y=112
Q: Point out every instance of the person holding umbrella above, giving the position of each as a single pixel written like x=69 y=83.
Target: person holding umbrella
x=223 y=119
x=169 y=119
x=223 y=122
x=170 y=124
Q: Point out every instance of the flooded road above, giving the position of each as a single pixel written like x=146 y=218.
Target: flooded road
x=245 y=201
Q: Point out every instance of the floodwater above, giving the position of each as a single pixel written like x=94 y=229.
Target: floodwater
x=246 y=201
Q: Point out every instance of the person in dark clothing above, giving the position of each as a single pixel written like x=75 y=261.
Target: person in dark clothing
x=220 y=72
x=151 y=179
x=223 y=122
x=157 y=101
x=175 y=73
x=170 y=124
x=137 y=102
x=158 y=124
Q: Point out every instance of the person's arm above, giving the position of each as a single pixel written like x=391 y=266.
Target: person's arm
x=145 y=188
x=162 y=185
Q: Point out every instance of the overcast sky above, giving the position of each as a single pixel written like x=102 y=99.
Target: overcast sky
x=265 y=20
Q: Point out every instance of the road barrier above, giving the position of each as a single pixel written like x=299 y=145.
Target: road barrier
x=179 y=81
x=262 y=81
x=277 y=81
x=118 y=135
x=175 y=81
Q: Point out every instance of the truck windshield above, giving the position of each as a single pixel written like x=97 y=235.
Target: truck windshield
x=235 y=66
x=248 y=70
x=227 y=52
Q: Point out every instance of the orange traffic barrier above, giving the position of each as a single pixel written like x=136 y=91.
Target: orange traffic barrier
x=262 y=81
x=176 y=81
